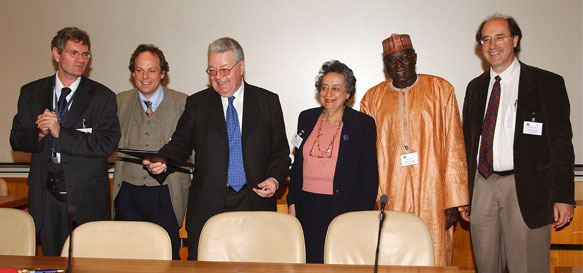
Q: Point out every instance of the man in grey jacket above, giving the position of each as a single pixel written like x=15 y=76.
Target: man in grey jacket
x=148 y=115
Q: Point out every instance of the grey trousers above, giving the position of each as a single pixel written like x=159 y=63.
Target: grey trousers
x=499 y=235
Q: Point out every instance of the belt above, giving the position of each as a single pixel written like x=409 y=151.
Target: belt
x=229 y=188
x=504 y=173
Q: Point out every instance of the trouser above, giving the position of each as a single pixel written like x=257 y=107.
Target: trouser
x=151 y=204
x=234 y=201
x=55 y=226
x=499 y=235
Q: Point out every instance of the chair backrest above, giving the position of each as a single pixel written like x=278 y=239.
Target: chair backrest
x=352 y=239
x=17 y=234
x=3 y=187
x=120 y=239
x=252 y=236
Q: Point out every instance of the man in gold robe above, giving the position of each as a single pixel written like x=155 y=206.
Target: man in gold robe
x=420 y=145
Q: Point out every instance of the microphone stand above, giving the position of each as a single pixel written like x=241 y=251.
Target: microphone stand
x=382 y=217
x=71 y=219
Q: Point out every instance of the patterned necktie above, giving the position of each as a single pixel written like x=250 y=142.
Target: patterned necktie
x=236 y=173
x=149 y=111
x=62 y=111
x=485 y=167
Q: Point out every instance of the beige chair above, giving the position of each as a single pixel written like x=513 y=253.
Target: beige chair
x=120 y=239
x=352 y=239
x=3 y=187
x=17 y=234
x=252 y=236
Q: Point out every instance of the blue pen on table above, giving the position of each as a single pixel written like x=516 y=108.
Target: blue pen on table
x=47 y=271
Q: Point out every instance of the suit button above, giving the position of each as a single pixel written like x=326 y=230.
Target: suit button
x=147 y=133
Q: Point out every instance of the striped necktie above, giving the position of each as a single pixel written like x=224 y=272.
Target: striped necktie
x=485 y=166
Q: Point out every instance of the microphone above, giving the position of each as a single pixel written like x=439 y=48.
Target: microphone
x=383 y=200
x=72 y=210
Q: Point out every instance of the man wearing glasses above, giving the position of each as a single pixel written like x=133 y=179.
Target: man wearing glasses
x=69 y=125
x=520 y=155
x=238 y=136
x=419 y=144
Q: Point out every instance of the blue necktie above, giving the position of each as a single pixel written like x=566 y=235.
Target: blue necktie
x=236 y=173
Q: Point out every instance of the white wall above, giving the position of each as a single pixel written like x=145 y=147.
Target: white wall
x=285 y=42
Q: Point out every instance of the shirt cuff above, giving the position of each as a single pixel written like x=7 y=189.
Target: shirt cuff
x=276 y=182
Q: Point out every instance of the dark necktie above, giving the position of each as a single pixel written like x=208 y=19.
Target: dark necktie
x=149 y=111
x=236 y=172
x=62 y=111
x=485 y=167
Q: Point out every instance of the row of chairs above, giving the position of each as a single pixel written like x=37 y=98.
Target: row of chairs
x=244 y=237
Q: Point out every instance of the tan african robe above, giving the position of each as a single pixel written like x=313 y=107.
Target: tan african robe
x=439 y=180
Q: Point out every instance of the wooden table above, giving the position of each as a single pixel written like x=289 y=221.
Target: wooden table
x=86 y=265
x=13 y=201
x=568 y=269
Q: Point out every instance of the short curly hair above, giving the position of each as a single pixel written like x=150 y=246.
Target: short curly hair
x=70 y=34
x=340 y=68
x=164 y=67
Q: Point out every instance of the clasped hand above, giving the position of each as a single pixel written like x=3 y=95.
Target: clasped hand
x=48 y=123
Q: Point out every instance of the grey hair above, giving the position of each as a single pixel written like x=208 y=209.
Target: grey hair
x=227 y=44
x=340 y=68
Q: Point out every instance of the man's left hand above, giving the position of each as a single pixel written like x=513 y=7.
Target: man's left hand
x=266 y=189
x=450 y=217
x=563 y=215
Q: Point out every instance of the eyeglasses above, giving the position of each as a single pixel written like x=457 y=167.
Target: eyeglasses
x=319 y=153
x=402 y=59
x=75 y=54
x=222 y=71
x=498 y=39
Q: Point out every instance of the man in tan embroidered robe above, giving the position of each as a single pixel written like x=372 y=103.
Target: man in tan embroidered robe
x=420 y=146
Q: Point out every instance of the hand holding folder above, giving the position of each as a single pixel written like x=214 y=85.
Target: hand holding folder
x=155 y=156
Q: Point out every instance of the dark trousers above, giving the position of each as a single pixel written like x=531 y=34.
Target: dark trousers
x=55 y=227
x=234 y=201
x=150 y=204
x=315 y=214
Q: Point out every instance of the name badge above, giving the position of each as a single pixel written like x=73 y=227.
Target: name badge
x=297 y=141
x=85 y=130
x=532 y=128
x=409 y=159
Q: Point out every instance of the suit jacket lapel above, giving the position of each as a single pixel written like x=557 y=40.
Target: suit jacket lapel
x=479 y=99
x=344 y=147
x=80 y=101
x=217 y=116
x=527 y=98
x=166 y=128
x=46 y=94
x=250 y=115
x=126 y=110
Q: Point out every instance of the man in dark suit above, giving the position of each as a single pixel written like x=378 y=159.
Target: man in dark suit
x=69 y=143
x=518 y=137
x=237 y=168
